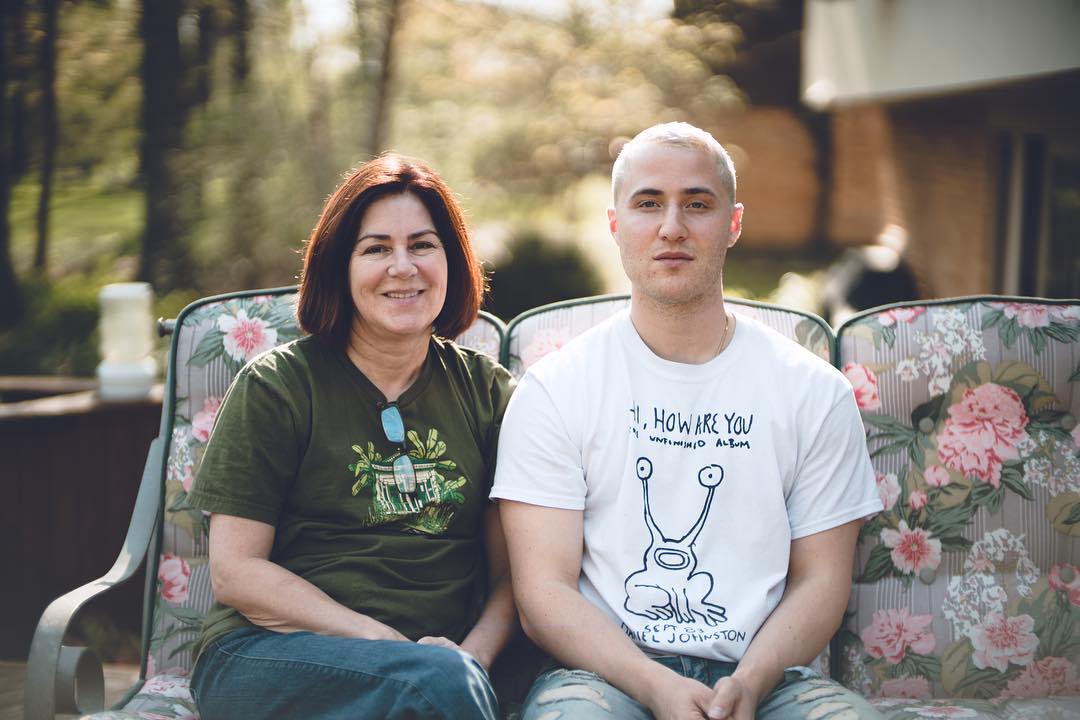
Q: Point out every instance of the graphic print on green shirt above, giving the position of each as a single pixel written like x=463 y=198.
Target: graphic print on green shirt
x=429 y=508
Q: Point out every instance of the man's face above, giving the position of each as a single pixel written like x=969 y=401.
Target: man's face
x=673 y=223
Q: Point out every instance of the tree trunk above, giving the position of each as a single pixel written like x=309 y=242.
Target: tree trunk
x=10 y=298
x=241 y=27
x=165 y=262
x=380 y=122
x=19 y=67
x=49 y=127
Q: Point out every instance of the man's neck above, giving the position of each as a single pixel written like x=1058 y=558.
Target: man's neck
x=693 y=334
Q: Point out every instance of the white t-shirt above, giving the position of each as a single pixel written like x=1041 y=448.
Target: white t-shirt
x=693 y=479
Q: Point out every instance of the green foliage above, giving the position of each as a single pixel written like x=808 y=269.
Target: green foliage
x=58 y=334
x=537 y=271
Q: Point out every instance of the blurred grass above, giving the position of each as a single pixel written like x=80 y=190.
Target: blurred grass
x=90 y=228
x=755 y=274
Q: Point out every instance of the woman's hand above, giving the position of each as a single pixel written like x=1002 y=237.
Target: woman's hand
x=371 y=629
x=448 y=643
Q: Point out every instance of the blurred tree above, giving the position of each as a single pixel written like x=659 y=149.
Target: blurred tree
x=377 y=23
x=20 y=62
x=533 y=105
x=49 y=123
x=767 y=66
x=10 y=299
x=240 y=28
x=165 y=261
x=537 y=271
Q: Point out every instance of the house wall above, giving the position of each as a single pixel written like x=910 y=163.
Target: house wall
x=776 y=167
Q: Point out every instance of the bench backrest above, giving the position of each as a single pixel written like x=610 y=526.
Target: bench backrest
x=967 y=585
x=537 y=332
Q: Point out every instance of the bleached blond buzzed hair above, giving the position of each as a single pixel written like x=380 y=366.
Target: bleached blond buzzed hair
x=678 y=134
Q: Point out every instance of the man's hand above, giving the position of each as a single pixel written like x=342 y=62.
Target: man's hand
x=732 y=698
x=680 y=698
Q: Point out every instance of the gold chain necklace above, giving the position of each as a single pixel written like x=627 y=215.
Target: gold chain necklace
x=725 y=337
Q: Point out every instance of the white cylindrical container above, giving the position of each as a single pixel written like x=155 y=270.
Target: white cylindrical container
x=127 y=371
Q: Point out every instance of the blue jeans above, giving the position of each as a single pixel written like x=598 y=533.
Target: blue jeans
x=256 y=673
x=582 y=695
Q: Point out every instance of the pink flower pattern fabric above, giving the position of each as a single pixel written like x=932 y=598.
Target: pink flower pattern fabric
x=982 y=446
x=895 y=631
x=888 y=488
x=900 y=315
x=865 y=384
x=246 y=337
x=936 y=476
x=1044 y=678
x=915 y=688
x=1065 y=578
x=1002 y=640
x=1026 y=314
x=912 y=549
x=203 y=421
x=982 y=432
x=173 y=574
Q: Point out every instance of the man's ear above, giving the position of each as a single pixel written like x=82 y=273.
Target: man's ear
x=735 y=230
x=612 y=224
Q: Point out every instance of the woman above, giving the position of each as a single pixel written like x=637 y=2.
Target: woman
x=347 y=478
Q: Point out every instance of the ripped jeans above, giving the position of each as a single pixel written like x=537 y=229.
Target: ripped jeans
x=561 y=694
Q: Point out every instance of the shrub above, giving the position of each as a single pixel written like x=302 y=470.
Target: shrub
x=537 y=271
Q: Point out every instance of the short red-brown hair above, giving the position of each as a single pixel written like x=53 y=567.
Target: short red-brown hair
x=325 y=306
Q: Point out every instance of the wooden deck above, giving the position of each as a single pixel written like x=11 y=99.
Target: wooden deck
x=118 y=678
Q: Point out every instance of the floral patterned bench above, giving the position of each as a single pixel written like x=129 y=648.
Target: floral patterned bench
x=967 y=598
x=970 y=409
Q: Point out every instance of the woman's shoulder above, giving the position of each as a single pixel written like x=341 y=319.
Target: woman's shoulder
x=473 y=359
x=300 y=357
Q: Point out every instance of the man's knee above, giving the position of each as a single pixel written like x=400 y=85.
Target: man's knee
x=815 y=698
x=570 y=694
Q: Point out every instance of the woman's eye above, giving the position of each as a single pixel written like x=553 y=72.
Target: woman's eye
x=373 y=250
x=424 y=246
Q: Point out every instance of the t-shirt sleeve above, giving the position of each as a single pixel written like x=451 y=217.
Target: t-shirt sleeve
x=539 y=462
x=252 y=454
x=835 y=481
x=500 y=390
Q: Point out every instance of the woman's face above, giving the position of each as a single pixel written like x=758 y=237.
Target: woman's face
x=397 y=271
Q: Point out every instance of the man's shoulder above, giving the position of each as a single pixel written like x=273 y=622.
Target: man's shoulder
x=773 y=352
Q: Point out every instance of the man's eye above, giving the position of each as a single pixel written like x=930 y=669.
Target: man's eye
x=648 y=204
x=698 y=205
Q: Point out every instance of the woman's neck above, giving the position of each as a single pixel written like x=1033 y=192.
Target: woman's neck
x=391 y=366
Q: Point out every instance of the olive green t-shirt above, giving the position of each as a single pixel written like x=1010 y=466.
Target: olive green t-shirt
x=299 y=444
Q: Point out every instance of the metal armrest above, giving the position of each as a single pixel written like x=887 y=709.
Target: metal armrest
x=67 y=679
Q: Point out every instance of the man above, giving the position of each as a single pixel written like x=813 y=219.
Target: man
x=681 y=492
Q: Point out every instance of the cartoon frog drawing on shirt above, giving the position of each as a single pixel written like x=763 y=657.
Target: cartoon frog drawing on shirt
x=669 y=587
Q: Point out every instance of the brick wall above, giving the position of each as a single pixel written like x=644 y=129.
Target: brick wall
x=928 y=167
x=775 y=161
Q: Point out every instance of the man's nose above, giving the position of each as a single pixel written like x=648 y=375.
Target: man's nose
x=673 y=227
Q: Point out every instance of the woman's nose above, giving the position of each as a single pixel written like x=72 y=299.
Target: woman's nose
x=401 y=263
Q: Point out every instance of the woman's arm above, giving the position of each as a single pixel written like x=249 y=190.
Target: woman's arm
x=272 y=597
x=499 y=617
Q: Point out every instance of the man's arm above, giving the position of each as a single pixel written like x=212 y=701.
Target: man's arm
x=545 y=547
x=818 y=586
